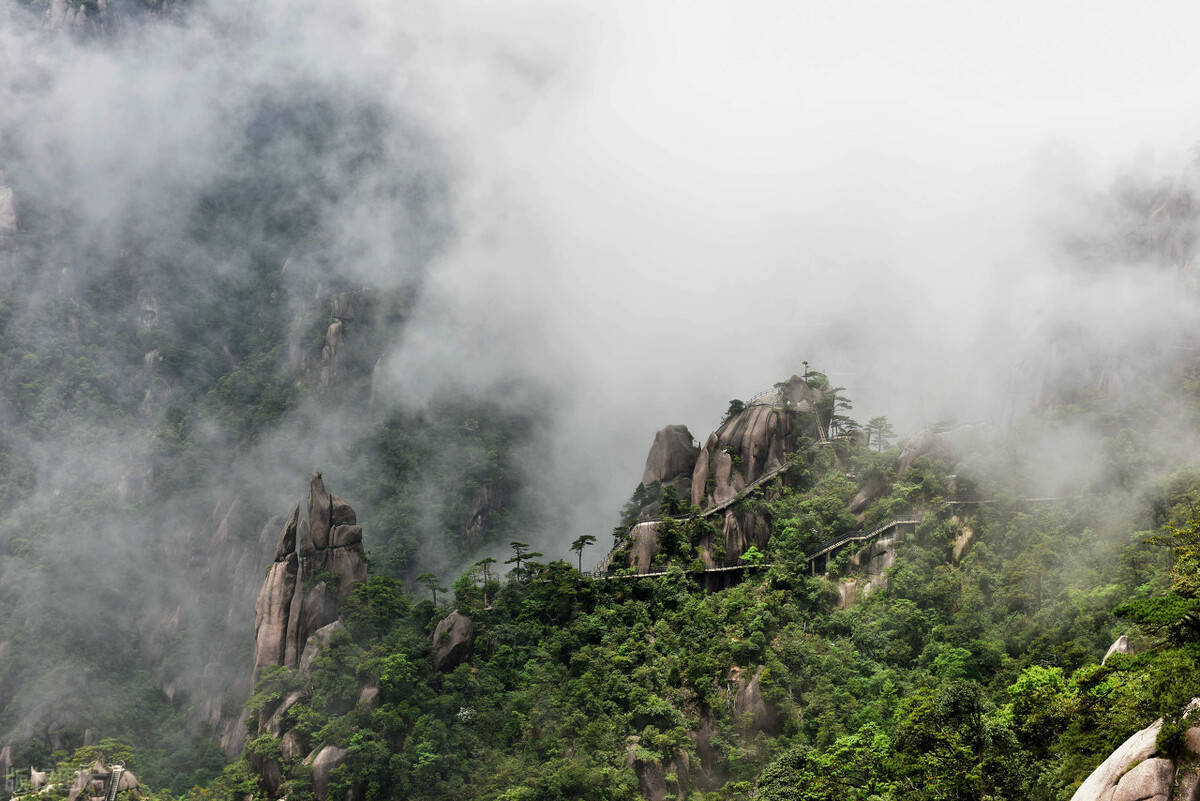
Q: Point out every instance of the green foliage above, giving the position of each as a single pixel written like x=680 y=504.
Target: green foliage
x=736 y=407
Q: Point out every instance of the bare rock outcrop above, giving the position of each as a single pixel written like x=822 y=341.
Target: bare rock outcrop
x=643 y=544
x=489 y=500
x=871 y=491
x=1119 y=646
x=317 y=564
x=454 y=638
x=323 y=764
x=318 y=640
x=741 y=531
x=962 y=542
x=868 y=568
x=1137 y=771
x=652 y=774
x=673 y=454
x=755 y=442
x=751 y=708
x=319 y=559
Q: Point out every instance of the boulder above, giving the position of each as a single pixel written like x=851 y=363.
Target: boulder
x=672 y=454
x=341 y=513
x=37 y=778
x=342 y=535
x=82 y=779
x=643 y=545
x=741 y=531
x=323 y=764
x=318 y=640
x=290 y=746
x=752 y=443
x=127 y=782
x=1119 y=646
x=1136 y=771
x=454 y=638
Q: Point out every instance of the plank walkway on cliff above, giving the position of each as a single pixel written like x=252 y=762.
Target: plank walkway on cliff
x=860 y=536
x=658 y=572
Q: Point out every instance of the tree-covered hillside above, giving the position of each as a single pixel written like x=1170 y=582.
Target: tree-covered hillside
x=971 y=670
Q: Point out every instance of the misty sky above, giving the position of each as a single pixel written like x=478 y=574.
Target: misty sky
x=656 y=207
x=668 y=205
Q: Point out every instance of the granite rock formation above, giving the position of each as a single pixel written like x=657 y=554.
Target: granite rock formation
x=318 y=561
x=672 y=454
x=454 y=638
x=754 y=442
x=1138 y=771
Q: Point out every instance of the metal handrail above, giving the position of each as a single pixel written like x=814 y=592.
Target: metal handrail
x=658 y=570
x=858 y=536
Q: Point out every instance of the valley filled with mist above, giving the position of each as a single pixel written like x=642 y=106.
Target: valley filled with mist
x=533 y=401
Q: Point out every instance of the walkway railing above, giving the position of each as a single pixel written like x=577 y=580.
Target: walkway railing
x=859 y=536
x=660 y=570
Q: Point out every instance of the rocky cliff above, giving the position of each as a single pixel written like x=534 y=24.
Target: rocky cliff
x=755 y=441
x=318 y=561
x=671 y=460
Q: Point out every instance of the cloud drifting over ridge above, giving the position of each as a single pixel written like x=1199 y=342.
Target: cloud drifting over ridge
x=655 y=207
x=703 y=195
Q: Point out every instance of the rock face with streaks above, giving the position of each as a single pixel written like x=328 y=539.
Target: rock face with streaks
x=868 y=568
x=754 y=442
x=318 y=561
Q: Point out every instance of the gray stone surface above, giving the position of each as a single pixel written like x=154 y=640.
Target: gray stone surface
x=453 y=637
x=672 y=454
